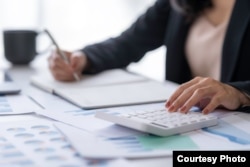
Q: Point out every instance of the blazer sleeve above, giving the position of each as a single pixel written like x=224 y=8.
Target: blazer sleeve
x=147 y=33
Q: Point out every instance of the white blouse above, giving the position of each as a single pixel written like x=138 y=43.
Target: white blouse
x=204 y=47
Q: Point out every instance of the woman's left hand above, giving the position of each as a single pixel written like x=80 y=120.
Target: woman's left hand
x=206 y=93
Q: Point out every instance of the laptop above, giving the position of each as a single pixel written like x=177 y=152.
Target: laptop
x=7 y=85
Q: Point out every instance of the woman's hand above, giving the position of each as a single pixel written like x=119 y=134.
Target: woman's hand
x=206 y=93
x=63 y=71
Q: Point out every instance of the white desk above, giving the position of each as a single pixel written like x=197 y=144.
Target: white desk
x=21 y=75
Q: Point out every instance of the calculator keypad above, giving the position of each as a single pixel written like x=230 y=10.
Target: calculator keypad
x=167 y=119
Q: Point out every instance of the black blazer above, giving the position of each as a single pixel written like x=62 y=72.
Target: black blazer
x=161 y=25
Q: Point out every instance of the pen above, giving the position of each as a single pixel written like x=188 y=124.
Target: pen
x=61 y=53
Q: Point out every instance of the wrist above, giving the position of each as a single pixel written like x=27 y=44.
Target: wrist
x=85 y=64
x=244 y=99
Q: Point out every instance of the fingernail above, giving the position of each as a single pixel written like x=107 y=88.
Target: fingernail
x=183 y=108
x=205 y=112
x=171 y=108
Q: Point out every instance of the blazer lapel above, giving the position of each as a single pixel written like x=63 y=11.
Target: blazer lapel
x=235 y=33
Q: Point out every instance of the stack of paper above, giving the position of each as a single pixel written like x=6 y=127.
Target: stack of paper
x=228 y=135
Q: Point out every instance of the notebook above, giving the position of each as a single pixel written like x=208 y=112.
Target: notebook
x=45 y=80
x=107 y=89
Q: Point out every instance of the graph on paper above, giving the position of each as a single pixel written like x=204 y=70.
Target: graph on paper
x=4 y=105
x=39 y=144
x=16 y=104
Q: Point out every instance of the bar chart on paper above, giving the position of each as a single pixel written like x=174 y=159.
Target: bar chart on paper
x=76 y=117
x=134 y=146
x=232 y=132
x=16 y=104
x=35 y=144
x=4 y=105
x=141 y=146
x=124 y=142
x=40 y=144
x=147 y=143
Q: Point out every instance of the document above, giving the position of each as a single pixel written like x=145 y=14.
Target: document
x=17 y=104
x=49 y=101
x=36 y=144
x=96 y=147
x=40 y=144
x=86 y=120
x=146 y=145
x=108 y=89
x=232 y=128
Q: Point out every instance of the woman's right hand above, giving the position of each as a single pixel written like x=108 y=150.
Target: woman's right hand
x=64 y=72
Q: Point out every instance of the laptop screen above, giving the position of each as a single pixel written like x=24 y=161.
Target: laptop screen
x=7 y=86
x=4 y=77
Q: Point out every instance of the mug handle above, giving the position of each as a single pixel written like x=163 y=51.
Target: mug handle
x=47 y=48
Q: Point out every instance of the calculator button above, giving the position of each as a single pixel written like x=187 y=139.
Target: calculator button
x=172 y=123
x=159 y=124
x=140 y=120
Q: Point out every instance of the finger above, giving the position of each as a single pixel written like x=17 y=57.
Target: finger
x=58 y=57
x=177 y=93
x=203 y=103
x=74 y=62
x=59 y=62
x=60 y=71
x=55 y=58
x=214 y=103
x=184 y=96
x=57 y=66
x=78 y=61
x=198 y=96
x=59 y=75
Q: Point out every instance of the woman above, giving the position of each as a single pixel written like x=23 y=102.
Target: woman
x=208 y=53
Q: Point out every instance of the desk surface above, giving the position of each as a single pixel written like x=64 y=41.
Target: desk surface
x=21 y=75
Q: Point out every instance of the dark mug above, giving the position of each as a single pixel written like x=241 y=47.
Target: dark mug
x=20 y=45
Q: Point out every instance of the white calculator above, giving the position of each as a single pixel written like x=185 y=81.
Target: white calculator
x=160 y=122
